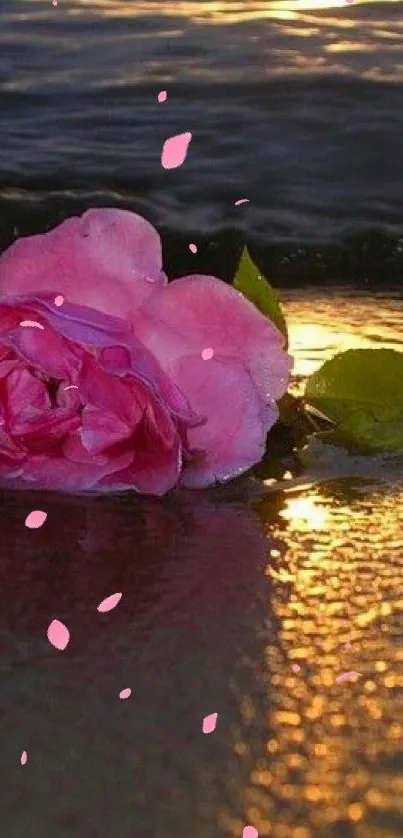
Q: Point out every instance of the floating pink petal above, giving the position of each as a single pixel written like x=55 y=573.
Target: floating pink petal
x=250 y=832
x=24 y=757
x=58 y=635
x=35 y=519
x=174 y=150
x=126 y=693
x=193 y=248
x=162 y=96
x=109 y=603
x=32 y=323
x=346 y=675
x=207 y=354
x=59 y=300
x=209 y=723
x=242 y=201
x=295 y=667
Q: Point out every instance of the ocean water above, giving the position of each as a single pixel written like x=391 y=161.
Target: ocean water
x=297 y=106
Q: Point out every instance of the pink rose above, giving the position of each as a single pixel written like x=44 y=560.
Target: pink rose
x=111 y=378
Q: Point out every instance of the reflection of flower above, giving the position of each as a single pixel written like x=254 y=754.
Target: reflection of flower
x=128 y=382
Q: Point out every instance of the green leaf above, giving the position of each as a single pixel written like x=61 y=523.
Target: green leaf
x=255 y=287
x=362 y=391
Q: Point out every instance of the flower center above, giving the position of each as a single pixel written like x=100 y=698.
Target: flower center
x=52 y=385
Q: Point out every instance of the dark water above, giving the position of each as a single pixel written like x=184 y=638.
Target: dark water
x=299 y=110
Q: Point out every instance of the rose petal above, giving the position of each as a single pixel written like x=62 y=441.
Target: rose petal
x=233 y=438
x=121 y=398
x=27 y=398
x=66 y=474
x=43 y=349
x=157 y=460
x=196 y=312
x=136 y=361
x=109 y=259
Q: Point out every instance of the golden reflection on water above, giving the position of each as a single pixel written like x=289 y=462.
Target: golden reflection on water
x=225 y=10
x=323 y=324
x=290 y=36
x=305 y=514
x=331 y=763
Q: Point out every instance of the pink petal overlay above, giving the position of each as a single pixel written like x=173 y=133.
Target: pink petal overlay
x=35 y=519
x=209 y=723
x=24 y=757
x=32 y=323
x=109 y=259
x=126 y=693
x=242 y=201
x=207 y=354
x=174 y=150
x=250 y=832
x=162 y=96
x=109 y=603
x=59 y=300
x=58 y=635
x=347 y=675
x=295 y=667
x=193 y=248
